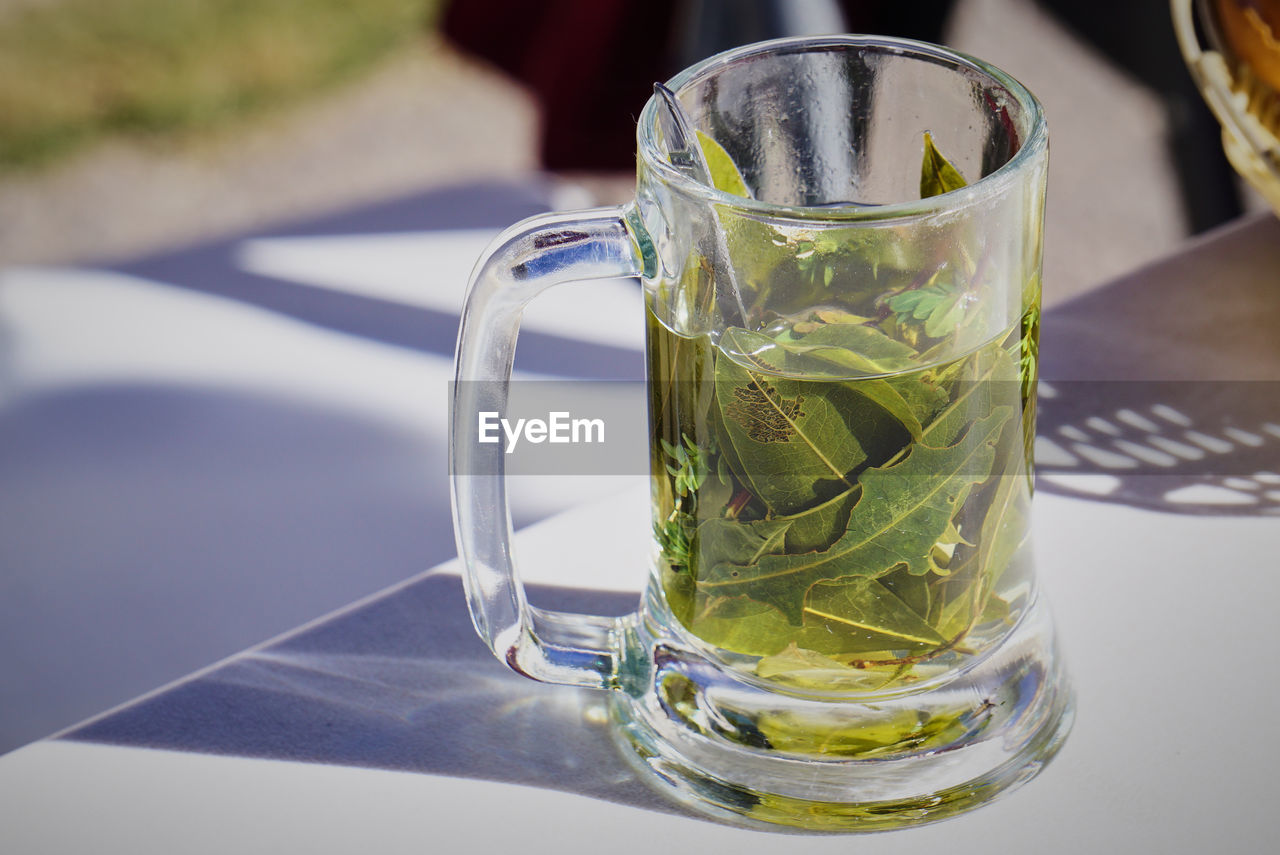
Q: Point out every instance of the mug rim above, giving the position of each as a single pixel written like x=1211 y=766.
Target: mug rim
x=1034 y=144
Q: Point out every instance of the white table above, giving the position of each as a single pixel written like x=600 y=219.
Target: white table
x=387 y=727
x=1168 y=623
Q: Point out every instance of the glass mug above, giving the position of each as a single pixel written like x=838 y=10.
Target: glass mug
x=841 y=629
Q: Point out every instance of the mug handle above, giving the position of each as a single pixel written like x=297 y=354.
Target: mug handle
x=522 y=262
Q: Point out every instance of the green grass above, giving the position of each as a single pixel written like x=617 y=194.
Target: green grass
x=74 y=71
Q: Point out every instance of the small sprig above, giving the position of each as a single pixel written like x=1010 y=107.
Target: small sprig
x=673 y=538
x=1028 y=349
x=812 y=259
x=689 y=468
x=937 y=307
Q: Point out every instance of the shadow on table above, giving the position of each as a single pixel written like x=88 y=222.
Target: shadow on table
x=205 y=504
x=1191 y=447
x=148 y=529
x=1164 y=386
x=215 y=268
x=401 y=682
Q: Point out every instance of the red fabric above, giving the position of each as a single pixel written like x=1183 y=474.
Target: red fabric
x=591 y=64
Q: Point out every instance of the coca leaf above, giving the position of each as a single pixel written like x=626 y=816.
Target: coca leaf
x=724 y=172
x=868 y=616
x=903 y=511
x=793 y=446
x=732 y=541
x=937 y=175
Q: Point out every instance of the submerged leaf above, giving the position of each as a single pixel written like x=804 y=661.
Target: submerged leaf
x=818 y=527
x=806 y=669
x=989 y=381
x=791 y=731
x=937 y=308
x=855 y=349
x=903 y=511
x=721 y=540
x=914 y=591
x=962 y=597
x=742 y=625
x=869 y=615
x=798 y=445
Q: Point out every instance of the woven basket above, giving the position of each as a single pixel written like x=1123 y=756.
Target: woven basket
x=1247 y=107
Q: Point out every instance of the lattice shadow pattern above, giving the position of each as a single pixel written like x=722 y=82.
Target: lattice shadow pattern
x=1187 y=447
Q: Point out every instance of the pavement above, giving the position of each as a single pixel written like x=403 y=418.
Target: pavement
x=426 y=118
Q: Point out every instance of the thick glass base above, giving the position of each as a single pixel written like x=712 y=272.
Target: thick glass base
x=728 y=745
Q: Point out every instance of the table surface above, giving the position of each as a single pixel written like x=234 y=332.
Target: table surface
x=386 y=725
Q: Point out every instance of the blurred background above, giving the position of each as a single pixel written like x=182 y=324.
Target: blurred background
x=193 y=455
x=129 y=126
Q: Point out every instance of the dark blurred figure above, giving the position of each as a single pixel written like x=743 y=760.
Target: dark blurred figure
x=591 y=64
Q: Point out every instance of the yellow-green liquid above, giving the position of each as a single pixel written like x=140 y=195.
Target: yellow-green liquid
x=843 y=531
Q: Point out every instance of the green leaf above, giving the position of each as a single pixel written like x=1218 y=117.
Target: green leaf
x=946 y=316
x=957 y=599
x=916 y=303
x=806 y=669
x=724 y=173
x=673 y=538
x=876 y=408
x=962 y=597
x=742 y=625
x=791 y=731
x=1005 y=528
x=937 y=175
x=794 y=446
x=903 y=511
x=987 y=380
x=940 y=304
x=914 y=591
x=856 y=347
x=818 y=527
x=909 y=398
x=953 y=537
x=690 y=468
x=719 y=541
x=866 y=618
x=680 y=592
x=868 y=615
x=996 y=609
x=839 y=316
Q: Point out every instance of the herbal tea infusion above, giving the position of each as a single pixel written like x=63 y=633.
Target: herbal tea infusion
x=832 y=496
